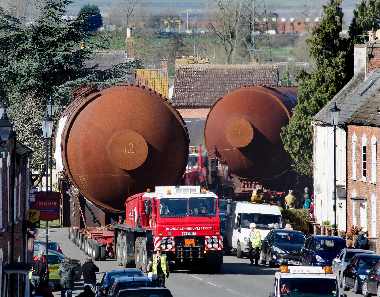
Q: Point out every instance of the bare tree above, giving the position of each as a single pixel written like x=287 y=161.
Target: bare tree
x=226 y=25
x=128 y=9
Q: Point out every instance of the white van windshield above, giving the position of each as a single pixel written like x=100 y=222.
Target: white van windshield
x=261 y=220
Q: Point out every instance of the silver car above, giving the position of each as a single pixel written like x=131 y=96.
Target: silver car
x=340 y=263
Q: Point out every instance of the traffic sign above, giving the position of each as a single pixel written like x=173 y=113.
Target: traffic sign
x=47 y=203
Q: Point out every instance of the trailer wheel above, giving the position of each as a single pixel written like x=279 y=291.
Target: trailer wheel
x=103 y=253
x=141 y=253
x=118 y=250
x=214 y=262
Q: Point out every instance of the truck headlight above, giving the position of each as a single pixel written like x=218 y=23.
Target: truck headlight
x=319 y=259
x=278 y=250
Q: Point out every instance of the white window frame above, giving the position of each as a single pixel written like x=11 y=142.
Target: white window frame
x=363 y=215
x=373 y=216
x=373 y=160
x=364 y=145
x=353 y=149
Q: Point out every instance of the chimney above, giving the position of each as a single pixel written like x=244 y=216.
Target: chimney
x=367 y=56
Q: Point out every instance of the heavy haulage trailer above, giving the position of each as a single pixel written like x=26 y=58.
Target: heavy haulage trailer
x=182 y=222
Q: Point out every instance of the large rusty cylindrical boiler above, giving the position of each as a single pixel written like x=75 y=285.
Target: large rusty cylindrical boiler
x=243 y=130
x=121 y=140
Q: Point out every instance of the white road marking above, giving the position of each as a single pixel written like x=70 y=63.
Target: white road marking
x=233 y=292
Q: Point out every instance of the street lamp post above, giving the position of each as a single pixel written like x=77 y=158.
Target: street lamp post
x=47 y=131
x=335 y=121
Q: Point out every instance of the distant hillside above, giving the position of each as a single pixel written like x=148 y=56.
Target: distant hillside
x=286 y=8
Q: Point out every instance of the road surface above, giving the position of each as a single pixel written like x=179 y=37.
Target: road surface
x=238 y=278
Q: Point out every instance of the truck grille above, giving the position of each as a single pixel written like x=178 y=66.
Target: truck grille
x=189 y=251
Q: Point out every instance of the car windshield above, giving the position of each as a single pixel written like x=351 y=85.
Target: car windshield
x=131 y=284
x=261 y=220
x=179 y=207
x=54 y=259
x=308 y=287
x=350 y=255
x=329 y=245
x=145 y=293
x=289 y=237
x=115 y=274
x=367 y=263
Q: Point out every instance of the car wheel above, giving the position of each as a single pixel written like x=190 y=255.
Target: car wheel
x=344 y=284
x=239 y=253
x=262 y=258
x=365 y=289
x=356 y=288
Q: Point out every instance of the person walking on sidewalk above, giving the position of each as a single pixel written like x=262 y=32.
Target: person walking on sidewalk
x=89 y=270
x=66 y=271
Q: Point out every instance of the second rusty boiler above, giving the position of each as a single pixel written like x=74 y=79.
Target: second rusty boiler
x=243 y=130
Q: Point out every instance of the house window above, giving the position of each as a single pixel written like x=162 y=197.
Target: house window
x=373 y=159
x=364 y=158
x=363 y=215
x=354 y=140
x=373 y=215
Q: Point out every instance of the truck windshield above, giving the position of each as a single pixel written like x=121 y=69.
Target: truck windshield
x=194 y=206
x=308 y=287
x=261 y=220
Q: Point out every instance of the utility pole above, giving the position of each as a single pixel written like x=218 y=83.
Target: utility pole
x=253 y=37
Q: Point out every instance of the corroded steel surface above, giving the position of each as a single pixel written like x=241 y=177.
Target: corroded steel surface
x=243 y=130
x=121 y=140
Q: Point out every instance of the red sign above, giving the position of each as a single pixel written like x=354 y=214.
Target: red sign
x=48 y=205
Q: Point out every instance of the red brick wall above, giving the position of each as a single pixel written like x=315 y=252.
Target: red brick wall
x=363 y=189
x=374 y=58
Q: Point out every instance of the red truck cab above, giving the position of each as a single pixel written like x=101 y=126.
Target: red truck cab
x=184 y=221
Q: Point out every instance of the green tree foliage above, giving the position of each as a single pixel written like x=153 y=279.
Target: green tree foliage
x=331 y=54
x=90 y=18
x=45 y=59
x=366 y=17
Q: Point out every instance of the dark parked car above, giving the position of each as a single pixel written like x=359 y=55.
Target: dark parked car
x=127 y=282
x=371 y=285
x=106 y=281
x=145 y=292
x=357 y=271
x=321 y=250
x=340 y=263
x=281 y=246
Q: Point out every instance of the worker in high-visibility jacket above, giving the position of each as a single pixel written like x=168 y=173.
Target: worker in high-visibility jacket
x=255 y=244
x=160 y=267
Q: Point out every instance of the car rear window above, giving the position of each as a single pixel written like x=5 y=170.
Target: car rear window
x=329 y=244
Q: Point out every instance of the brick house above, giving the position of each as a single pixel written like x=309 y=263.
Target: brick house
x=198 y=86
x=358 y=92
x=15 y=251
x=363 y=134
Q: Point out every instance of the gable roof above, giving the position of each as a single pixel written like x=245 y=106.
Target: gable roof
x=345 y=100
x=368 y=114
x=201 y=85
